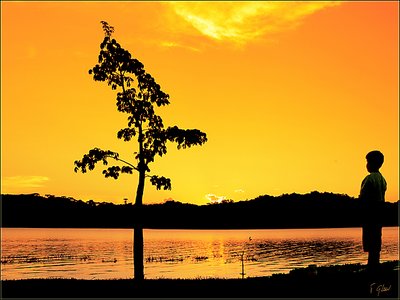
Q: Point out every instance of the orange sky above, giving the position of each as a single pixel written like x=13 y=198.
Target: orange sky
x=291 y=95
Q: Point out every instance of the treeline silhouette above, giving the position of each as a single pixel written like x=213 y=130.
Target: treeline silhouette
x=312 y=210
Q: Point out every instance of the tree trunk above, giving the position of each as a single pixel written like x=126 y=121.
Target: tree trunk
x=138 y=265
x=138 y=258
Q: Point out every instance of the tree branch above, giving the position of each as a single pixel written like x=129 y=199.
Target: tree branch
x=124 y=161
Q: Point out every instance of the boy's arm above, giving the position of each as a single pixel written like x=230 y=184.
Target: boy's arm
x=365 y=189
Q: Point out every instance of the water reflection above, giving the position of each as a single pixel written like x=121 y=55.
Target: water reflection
x=105 y=254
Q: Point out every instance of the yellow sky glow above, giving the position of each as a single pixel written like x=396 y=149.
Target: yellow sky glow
x=292 y=95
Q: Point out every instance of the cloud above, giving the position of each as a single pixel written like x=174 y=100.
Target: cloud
x=239 y=191
x=24 y=181
x=178 y=45
x=241 y=22
x=214 y=198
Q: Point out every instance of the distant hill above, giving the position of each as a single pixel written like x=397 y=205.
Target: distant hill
x=313 y=210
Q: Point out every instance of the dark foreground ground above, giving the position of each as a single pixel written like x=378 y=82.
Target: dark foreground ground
x=349 y=281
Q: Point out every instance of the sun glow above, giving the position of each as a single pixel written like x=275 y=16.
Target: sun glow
x=214 y=198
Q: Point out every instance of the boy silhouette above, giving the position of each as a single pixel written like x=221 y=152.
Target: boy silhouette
x=372 y=196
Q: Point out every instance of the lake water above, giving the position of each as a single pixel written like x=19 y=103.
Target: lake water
x=107 y=253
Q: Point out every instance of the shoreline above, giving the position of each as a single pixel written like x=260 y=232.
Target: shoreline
x=350 y=280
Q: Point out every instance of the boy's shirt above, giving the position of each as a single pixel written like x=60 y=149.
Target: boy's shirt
x=373 y=188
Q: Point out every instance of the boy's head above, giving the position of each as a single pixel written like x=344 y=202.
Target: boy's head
x=374 y=160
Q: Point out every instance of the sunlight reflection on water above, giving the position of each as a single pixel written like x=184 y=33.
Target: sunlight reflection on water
x=107 y=253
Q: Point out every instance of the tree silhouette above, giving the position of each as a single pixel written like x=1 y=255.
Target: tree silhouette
x=138 y=95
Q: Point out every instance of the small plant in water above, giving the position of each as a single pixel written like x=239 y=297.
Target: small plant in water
x=242 y=257
x=198 y=258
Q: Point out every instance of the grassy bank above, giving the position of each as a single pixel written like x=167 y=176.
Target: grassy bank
x=318 y=282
